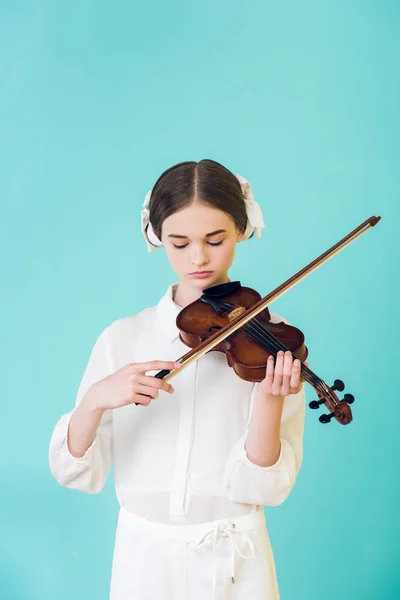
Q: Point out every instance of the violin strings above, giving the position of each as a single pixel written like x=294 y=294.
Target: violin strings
x=277 y=345
x=308 y=375
x=262 y=336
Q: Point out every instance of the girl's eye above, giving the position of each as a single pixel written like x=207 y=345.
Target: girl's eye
x=209 y=243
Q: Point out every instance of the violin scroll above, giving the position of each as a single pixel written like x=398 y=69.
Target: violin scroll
x=339 y=409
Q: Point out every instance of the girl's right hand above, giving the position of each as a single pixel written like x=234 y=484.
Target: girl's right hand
x=129 y=385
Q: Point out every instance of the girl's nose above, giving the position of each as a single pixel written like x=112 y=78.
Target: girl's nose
x=199 y=256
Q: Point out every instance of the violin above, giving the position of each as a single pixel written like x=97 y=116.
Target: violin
x=248 y=348
x=234 y=319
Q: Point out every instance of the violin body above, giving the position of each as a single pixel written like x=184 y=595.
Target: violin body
x=217 y=307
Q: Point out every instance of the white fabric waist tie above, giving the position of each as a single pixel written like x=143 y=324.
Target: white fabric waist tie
x=225 y=530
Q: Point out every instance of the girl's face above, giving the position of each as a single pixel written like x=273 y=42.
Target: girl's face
x=200 y=243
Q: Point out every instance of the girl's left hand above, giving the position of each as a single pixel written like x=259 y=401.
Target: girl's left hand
x=283 y=378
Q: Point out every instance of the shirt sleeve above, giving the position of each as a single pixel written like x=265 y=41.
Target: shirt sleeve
x=89 y=472
x=248 y=483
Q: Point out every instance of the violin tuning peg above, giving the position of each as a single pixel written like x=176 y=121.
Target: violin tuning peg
x=326 y=418
x=348 y=398
x=338 y=385
x=315 y=404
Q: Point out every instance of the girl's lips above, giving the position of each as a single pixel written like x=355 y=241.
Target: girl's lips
x=201 y=275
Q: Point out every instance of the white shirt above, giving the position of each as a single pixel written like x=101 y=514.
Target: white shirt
x=181 y=459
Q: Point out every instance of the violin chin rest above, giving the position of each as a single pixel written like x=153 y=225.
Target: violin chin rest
x=224 y=289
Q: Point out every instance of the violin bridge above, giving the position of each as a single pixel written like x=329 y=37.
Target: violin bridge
x=236 y=312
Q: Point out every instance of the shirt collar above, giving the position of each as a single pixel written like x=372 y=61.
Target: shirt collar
x=167 y=311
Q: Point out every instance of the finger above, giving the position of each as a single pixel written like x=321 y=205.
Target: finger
x=287 y=372
x=155 y=365
x=269 y=375
x=278 y=373
x=153 y=382
x=295 y=376
x=143 y=395
x=146 y=390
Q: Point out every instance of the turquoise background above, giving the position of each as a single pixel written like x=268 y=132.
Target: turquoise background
x=96 y=100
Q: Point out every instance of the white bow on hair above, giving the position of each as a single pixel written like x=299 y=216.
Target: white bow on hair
x=152 y=240
x=255 y=219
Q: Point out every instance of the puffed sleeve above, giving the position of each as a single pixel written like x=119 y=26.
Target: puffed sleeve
x=89 y=472
x=248 y=483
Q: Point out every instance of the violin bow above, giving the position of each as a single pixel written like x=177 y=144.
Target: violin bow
x=208 y=344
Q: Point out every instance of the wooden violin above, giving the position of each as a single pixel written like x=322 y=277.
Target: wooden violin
x=234 y=319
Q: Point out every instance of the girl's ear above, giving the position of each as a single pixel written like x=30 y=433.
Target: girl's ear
x=239 y=236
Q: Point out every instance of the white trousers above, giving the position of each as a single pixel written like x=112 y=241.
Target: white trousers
x=226 y=559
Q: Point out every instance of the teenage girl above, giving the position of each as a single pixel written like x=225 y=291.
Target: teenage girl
x=194 y=462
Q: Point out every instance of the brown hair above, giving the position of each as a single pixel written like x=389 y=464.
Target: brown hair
x=206 y=181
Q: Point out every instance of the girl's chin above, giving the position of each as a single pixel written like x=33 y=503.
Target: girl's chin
x=207 y=282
